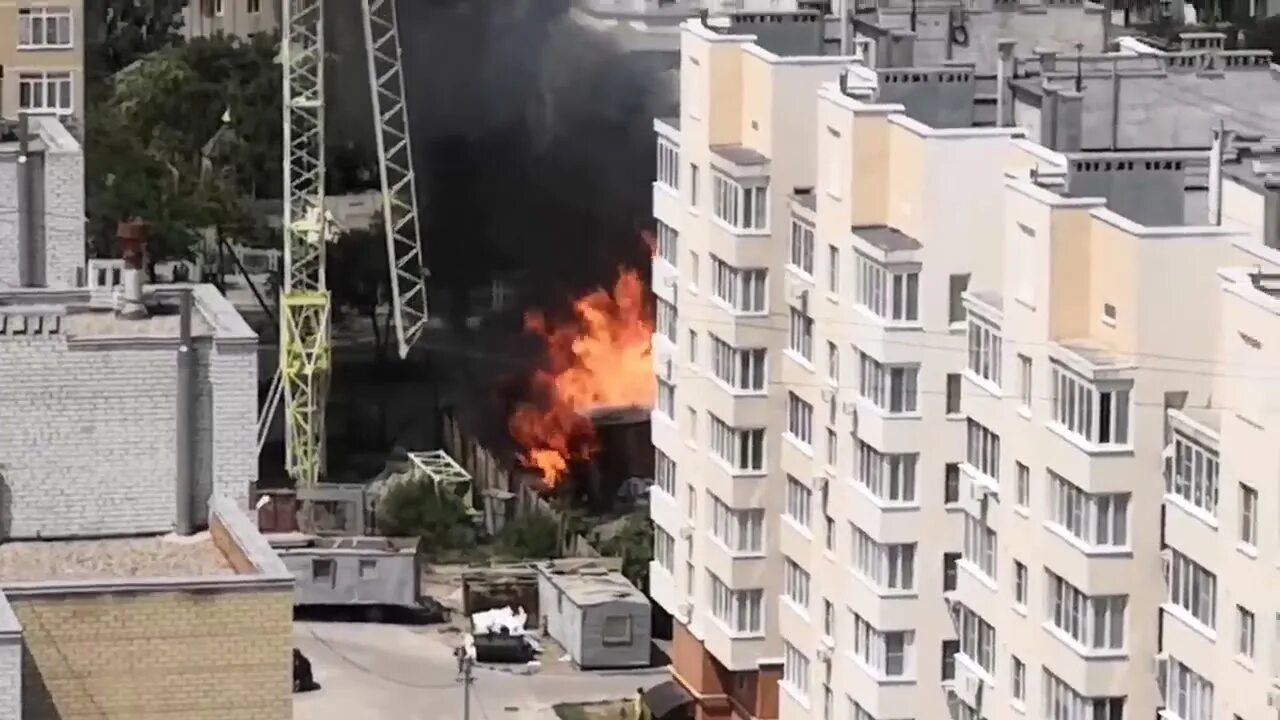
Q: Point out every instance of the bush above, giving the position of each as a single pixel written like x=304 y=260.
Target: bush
x=535 y=534
x=634 y=544
x=415 y=508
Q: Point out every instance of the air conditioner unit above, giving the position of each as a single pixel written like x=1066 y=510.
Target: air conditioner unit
x=824 y=654
x=1159 y=666
x=686 y=532
x=979 y=493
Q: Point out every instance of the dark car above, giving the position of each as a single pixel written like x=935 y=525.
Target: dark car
x=302 y=678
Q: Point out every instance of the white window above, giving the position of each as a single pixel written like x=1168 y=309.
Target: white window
x=668 y=164
x=1099 y=415
x=984 y=450
x=1025 y=380
x=739 y=530
x=1093 y=622
x=693 y=423
x=888 y=653
x=801 y=339
x=694 y=184
x=795 y=669
x=668 y=243
x=741 y=611
x=1020 y=580
x=977 y=637
x=833 y=269
x=1018 y=679
x=739 y=369
x=799 y=419
x=801 y=246
x=45 y=27
x=954 y=394
x=1248 y=515
x=746 y=208
x=890 y=477
x=664 y=548
x=666 y=319
x=664 y=472
x=799 y=502
x=742 y=448
x=1101 y=520
x=666 y=398
x=887 y=566
x=1192 y=588
x=45 y=92
x=892 y=388
x=985 y=347
x=1193 y=475
x=833 y=448
x=695 y=270
x=1062 y=702
x=743 y=290
x=693 y=346
x=1023 y=489
x=795 y=583
x=1245 y=625
x=828 y=619
x=889 y=295
x=1187 y=695
x=980 y=545
x=833 y=362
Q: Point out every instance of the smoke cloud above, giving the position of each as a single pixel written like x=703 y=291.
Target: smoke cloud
x=533 y=144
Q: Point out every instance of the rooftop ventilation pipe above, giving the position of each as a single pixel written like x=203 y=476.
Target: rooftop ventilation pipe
x=133 y=245
x=1221 y=137
x=186 y=425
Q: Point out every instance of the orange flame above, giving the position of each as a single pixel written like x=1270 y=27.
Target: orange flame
x=600 y=359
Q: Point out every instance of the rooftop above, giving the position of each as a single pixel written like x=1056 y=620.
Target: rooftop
x=112 y=559
x=590 y=582
x=886 y=238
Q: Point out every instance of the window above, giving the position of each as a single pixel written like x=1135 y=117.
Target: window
x=743 y=290
x=616 y=630
x=1023 y=490
x=666 y=398
x=368 y=569
x=695 y=270
x=801 y=246
x=801 y=340
x=1245 y=624
x=254 y=6
x=953 y=394
x=955 y=301
x=742 y=448
x=690 y=579
x=1093 y=622
x=1192 y=588
x=1024 y=380
x=985 y=347
x=741 y=611
x=739 y=369
x=1194 y=475
x=1099 y=415
x=1248 y=515
x=664 y=472
x=668 y=243
x=45 y=27
x=833 y=448
x=693 y=346
x=799 y=419
x=833 y=362
x=795 y=583
x=322 y=571
x=1061 y=702
x=888 y=653
x=829 y=523
x=45 y=92
x=889 y=295
x=691 y=500
x=1187 y=695
x=977 y=637
x=949 y=650
x=219 y=7
x=739 y=530
x=666 y=319
x=828 y=619
x=949 y=561
x=668 y=164
x=890 y=477
x=1018 y=679
x=664 y=548
x=795 y=669
x=1020 y=580
x=799 y=502
x=890 y=567
x=951 y=483
x=1099 y=520
x=980 y=545
x=892 y=388
x=746 y=208
x=984 y=450
x=693 y=424
x=833 y=269
x=694 y=184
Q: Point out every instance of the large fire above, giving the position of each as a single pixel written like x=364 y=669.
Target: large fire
x=600 y=359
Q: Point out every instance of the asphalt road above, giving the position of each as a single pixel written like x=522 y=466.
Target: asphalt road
x=372 y=672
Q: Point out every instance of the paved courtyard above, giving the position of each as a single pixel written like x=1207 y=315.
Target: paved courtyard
x=372 y=672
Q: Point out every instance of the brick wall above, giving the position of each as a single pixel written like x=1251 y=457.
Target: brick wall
x=88 y=435
x=63 y=224
x=159 y=655
x=9 y=255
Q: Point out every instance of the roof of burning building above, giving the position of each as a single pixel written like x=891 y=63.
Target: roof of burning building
x=625 y=415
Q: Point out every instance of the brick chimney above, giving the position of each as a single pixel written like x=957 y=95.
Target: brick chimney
x=132 y=235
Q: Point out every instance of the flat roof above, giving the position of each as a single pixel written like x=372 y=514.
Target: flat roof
x=740 y=155
x=166 y=556
x=889 y=239
x=587 y=583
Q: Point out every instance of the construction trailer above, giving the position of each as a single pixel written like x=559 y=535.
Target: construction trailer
x=352 y=571
x=599 y=618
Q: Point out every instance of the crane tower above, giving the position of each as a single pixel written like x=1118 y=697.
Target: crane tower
x=305 y=339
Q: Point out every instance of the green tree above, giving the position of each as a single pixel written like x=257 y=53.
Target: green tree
x=416 y=508
x=634 y=544
x=534 y=534
x=122 y=31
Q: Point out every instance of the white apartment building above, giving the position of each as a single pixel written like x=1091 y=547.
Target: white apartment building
x=998 y=407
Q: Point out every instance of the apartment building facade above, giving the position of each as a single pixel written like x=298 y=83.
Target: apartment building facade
x=203 y=18
x=42 y=53
x=1015 y=443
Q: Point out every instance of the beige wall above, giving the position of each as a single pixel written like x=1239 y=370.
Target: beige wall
x=236 y=18
x=17 y=61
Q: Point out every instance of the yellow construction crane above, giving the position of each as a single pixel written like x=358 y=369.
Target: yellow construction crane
x=305 y=338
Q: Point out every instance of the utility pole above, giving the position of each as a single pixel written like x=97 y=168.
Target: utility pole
x=466 y=686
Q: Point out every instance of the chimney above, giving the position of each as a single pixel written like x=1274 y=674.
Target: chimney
x=133 y=246
x=1221 y=137
x=1004 y=75
x=185 y=475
